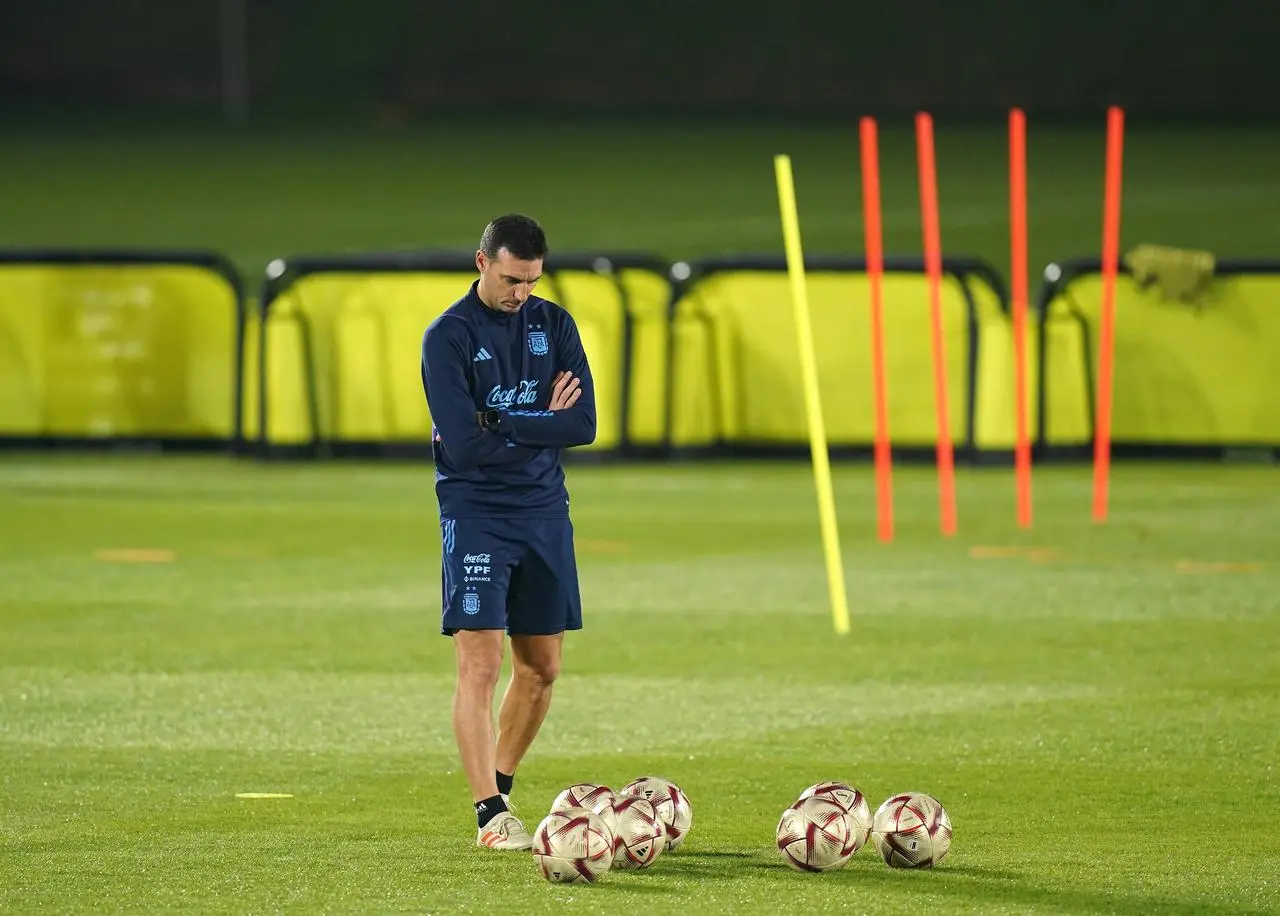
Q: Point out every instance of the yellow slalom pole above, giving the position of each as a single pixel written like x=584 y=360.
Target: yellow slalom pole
x=812 y=402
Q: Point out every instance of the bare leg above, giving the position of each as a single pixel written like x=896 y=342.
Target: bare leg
x=479 y=654
x=535 y=665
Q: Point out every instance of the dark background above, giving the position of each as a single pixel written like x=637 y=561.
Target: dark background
x=397 y=59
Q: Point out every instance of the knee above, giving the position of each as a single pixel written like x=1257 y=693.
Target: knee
x=541 y=673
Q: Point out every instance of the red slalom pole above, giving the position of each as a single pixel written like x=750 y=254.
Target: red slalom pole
x=875 y=273
x=1106 y=337
x=933 y=266
x=1018 y=244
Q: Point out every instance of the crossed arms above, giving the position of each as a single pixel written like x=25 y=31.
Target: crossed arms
x=568 y=420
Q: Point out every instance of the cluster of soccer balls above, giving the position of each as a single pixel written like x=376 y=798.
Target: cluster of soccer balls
x=831 y=821
x=592 y=829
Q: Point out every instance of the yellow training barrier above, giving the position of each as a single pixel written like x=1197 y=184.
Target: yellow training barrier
x=1195 y=372
x=340 y=340
x=736 y=386
x=120 y=346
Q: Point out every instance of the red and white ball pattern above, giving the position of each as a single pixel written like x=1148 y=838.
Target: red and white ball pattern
x=912 y=830
x=582 y=795
x=852 y=801
x=572 y=845
x=672 y=805
x=638 y=833
x=816 y=834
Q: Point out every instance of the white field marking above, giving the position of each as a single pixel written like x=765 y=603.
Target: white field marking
x=365 y=713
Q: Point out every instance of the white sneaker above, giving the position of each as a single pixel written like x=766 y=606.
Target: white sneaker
x=504 y=832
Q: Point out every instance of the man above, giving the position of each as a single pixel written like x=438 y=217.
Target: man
x=508 y=386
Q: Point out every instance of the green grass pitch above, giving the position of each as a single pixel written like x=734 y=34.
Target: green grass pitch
x=1096 y=706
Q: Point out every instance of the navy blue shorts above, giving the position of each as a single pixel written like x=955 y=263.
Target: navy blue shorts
x=513 y=574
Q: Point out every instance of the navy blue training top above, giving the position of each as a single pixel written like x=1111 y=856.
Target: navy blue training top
x=474 y=358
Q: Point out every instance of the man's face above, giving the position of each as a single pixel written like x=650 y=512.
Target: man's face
x=505 y=281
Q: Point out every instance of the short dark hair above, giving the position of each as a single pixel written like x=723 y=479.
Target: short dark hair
x=520 y=235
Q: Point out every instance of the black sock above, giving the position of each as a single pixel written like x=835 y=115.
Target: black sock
x=505 y=782
x=489 y=808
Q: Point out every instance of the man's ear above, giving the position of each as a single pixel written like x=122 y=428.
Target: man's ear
x=481 y=260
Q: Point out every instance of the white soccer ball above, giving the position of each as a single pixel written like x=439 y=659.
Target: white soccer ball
x=638 y=833
x=816 y=834
x=671 y=803
x=852 y=801
x=912 y=830
x=572 y=845
x=582 y=795
x=604 y=810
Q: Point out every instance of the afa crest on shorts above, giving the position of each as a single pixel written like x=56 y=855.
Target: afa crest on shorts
x=538 y=343
x=470 y=603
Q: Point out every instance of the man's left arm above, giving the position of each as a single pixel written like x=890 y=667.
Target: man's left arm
x=559 y=426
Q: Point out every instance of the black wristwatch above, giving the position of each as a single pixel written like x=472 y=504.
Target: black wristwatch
x=490 y=418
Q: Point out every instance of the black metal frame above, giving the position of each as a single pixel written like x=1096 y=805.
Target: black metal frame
x=289 y=270
x=212 y=261
x=1073 y=269
x=965 y=269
